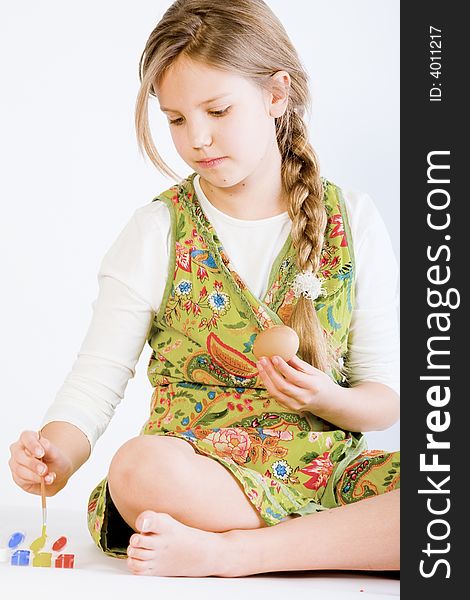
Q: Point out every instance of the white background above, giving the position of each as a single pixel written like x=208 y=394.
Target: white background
x=71 y=176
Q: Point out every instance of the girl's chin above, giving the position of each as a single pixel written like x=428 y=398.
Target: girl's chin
x=218 y=177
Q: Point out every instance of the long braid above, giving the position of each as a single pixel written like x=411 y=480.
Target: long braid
x=304 y=190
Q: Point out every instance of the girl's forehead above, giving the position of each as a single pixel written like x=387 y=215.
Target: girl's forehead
x=185 y=68
x=198 y=83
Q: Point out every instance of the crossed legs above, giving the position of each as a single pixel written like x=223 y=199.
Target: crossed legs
x=165 y=474
x=196 y=507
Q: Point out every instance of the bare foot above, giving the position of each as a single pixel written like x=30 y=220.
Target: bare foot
x=168 y=548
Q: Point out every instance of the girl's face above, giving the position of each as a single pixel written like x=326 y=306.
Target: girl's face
x=215 y=114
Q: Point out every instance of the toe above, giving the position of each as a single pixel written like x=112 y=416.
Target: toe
x=140 y=553
x=153 y=522
x=144 y=520
x=138 y=567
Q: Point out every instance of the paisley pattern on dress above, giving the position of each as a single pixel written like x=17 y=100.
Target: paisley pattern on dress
x=373 y=472
x=207 y=390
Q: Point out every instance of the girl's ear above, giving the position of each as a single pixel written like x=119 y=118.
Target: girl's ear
x=279 y=96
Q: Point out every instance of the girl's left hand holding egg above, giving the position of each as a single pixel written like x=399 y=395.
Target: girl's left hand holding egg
x=296 y=384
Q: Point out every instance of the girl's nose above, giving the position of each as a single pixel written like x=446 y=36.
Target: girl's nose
x=200 y=136
x=202 y=141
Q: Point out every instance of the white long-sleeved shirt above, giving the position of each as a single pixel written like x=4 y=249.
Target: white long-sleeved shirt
x=132 y=278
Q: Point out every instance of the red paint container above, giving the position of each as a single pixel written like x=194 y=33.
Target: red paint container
x=59 y=544
x=65 y=561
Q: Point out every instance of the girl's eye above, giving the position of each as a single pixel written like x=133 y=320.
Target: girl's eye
x=215 y=113
x=219 y=113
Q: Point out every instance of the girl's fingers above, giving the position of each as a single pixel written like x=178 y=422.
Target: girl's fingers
x=298 y=378
x=29 y=439
x=26 y=475
x=273 y=389
x=23 y=483
x=301 y=365
x=21 y=455
x=282 y=385
x=33 y=464
x=52 y=452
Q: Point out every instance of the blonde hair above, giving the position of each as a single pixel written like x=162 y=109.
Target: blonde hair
x=246 y=38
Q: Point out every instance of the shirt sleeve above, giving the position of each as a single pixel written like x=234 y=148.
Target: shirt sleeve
x=131 y=280
x=373 y=341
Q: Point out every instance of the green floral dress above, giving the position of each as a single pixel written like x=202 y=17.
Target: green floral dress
x=208 y=391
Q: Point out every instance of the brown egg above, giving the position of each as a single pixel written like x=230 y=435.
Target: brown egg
x=278 y=340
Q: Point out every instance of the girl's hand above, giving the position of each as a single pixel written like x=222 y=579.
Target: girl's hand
x=296 y=384
x=27 y=469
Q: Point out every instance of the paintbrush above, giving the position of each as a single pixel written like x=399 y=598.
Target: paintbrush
x=43 y=496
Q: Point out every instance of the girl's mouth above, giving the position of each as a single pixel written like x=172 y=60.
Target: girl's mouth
x=214 y=162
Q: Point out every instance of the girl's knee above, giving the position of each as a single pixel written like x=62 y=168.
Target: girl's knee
x=124 y=459
x=144 y=455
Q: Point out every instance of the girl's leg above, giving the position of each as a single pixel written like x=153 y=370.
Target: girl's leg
x=165 y=474
x=363 y=536
x=159 y=474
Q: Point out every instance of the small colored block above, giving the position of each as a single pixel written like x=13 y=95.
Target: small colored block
x=42 y=559
x=65 y=561
x=15 y=539
x=59 y=544
x=20 y=558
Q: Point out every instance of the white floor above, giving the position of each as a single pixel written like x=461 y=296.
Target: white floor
x=96 y=575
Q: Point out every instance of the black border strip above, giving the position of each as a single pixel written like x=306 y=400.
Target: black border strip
x=434 y=207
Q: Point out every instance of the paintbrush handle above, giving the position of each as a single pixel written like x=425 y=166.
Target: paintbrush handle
x=43 y=492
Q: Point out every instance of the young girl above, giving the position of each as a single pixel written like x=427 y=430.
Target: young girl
x=241 y=461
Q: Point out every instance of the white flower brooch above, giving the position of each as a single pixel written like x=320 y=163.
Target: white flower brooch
x=308 y=285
